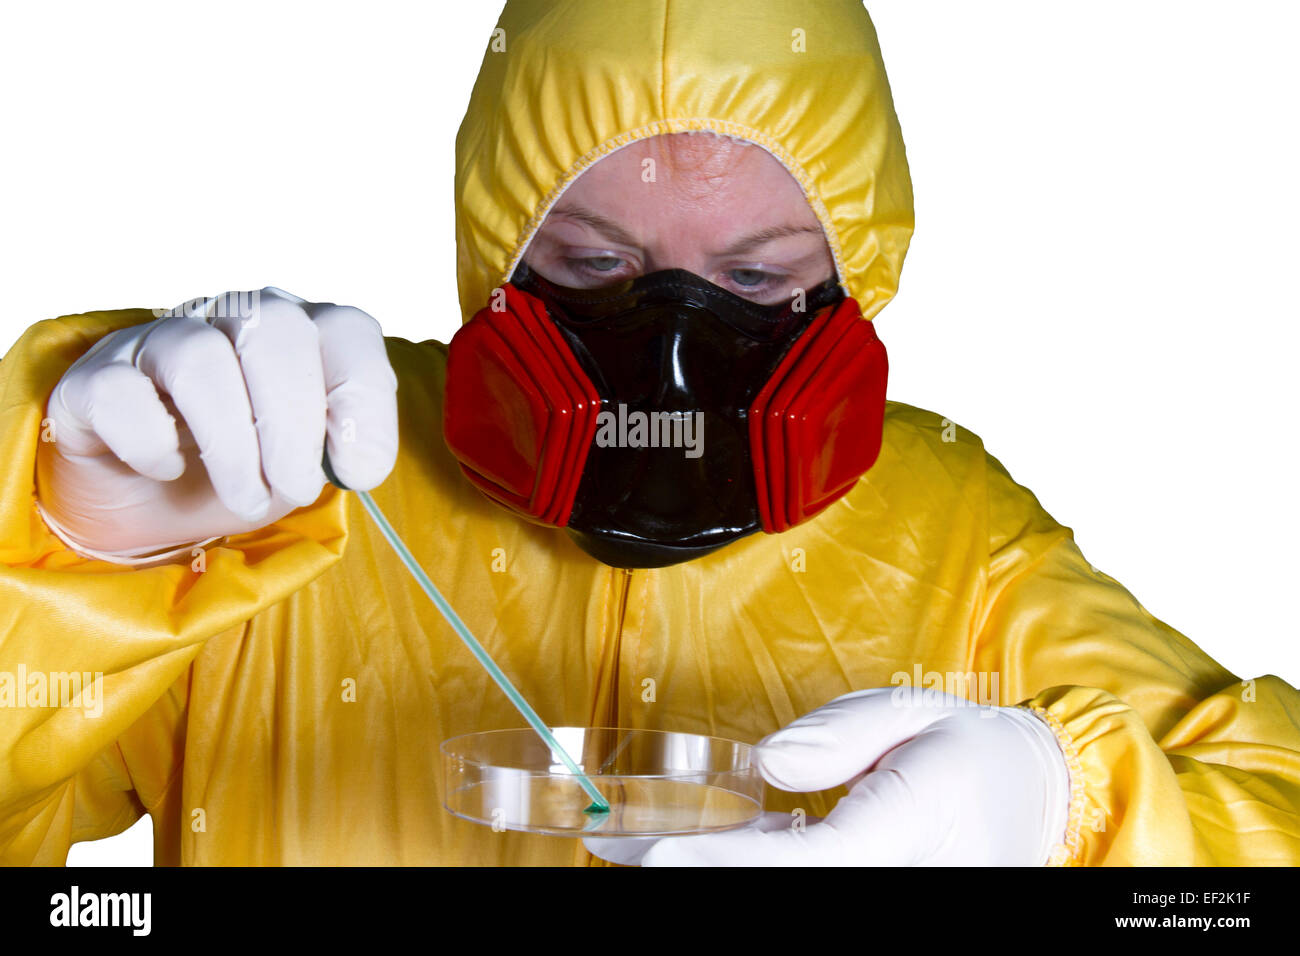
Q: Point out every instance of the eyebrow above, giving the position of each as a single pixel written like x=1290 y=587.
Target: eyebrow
x=606 y=227
x=612 y=230
x=755 y=239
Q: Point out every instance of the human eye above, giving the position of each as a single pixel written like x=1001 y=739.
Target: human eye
x=758 y=284
x=596 y=268
x=749 y=278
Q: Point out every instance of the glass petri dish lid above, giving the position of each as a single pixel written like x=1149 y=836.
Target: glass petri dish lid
x=657 y=783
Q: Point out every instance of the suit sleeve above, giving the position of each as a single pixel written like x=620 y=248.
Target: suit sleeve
x=1173 y=760
x=92 y=654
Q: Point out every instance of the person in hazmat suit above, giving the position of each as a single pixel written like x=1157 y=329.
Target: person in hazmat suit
x=687 y=209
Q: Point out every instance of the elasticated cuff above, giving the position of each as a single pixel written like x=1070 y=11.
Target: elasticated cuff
x=135 y=558
x=1068 y=851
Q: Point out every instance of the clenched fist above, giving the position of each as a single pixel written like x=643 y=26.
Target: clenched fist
x=211 y=421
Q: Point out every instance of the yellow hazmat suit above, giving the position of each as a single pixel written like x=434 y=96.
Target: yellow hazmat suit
x=282 y=698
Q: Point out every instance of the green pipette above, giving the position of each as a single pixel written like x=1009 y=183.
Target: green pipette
x=598 y=802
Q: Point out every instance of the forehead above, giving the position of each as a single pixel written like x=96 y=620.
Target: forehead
x=685 y=174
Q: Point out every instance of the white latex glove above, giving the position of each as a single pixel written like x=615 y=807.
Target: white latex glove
x=210 y=421
x=936 y=780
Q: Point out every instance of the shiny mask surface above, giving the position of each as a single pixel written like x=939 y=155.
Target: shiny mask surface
x=678 y=362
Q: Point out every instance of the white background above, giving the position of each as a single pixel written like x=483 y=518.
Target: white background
x=1102 y=283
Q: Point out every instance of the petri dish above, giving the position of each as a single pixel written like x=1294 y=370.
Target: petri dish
x=657 y=783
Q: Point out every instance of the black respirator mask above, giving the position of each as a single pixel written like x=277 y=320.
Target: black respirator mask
x=664 y=417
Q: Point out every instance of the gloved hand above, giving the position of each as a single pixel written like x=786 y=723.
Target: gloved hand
x=210 y=421
x=935 y=780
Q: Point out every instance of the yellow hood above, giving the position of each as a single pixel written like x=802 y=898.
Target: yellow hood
x=565 y=82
